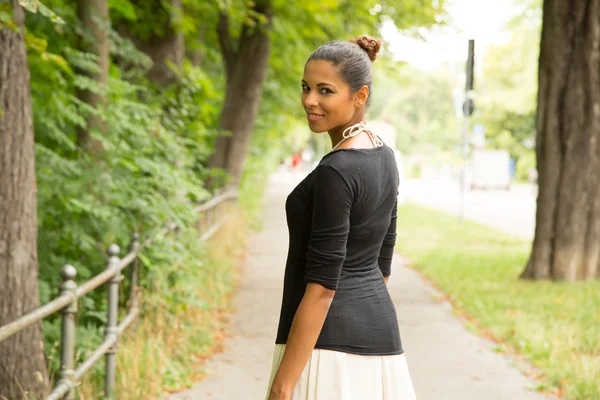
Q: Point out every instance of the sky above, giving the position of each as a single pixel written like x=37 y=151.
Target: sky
x=481 y=20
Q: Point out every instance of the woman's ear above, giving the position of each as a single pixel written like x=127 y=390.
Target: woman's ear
x=361 y=96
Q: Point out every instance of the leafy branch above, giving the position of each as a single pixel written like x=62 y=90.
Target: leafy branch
x=35 y=6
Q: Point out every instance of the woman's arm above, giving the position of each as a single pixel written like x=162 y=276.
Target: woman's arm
x=386 y=252
x=325 y=256
x=305 y=330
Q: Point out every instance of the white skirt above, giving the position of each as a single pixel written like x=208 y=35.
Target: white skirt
x=334 y=375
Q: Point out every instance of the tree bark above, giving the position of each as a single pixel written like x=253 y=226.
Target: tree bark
x=246 y=70
x=166 y=49
x=567 y=236
x=23 y=369
x=94 y=18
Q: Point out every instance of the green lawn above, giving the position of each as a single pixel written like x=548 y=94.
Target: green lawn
x=556 y=326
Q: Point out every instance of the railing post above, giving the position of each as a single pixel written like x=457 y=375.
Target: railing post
x=67 y=331
x=134 y=293
x=111 y=328
x=199 y=225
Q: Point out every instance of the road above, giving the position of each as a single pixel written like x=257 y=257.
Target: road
x=512 y=211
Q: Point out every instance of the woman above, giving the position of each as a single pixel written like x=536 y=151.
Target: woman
x=338 y=336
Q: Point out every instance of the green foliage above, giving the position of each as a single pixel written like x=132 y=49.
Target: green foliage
x=155 y=15
x=525 y=164
x=35 y=6
x=150 y=173
x=156 y=143
x=6 y=13
x=124 y=9
x=508 y=88
x=419 y=105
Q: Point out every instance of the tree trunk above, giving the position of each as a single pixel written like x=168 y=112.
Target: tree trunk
x=567 y=235
x=246 y=70
x=196 y=55
x=166 y=49
x=94 y=18
x=23 y=369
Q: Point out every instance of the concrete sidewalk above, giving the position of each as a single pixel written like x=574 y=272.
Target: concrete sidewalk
x=446 y=361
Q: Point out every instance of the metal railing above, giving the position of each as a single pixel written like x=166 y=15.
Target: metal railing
x=66 y=302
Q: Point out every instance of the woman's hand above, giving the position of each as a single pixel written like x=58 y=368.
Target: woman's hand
x=305 y=329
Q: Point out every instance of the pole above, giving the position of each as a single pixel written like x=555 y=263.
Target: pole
x=112 y=322
x=468 y=108
x=67 y=332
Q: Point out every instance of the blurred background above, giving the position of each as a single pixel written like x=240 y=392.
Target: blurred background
x=121 y=116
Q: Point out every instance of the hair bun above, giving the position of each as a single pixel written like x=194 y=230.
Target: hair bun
x=368 y=44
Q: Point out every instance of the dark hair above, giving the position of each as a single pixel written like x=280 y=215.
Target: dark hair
x=354 y=60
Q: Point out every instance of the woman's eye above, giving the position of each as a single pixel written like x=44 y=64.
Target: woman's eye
x=305 y=88
x=326 y=91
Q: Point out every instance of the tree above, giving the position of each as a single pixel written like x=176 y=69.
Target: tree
x=22 y=361
x=245 y=67
x=301 y=27
x=567 y=235
x=93 y=15
x=155 y=28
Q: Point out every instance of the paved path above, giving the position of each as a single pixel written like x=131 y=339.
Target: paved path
x=446 y=361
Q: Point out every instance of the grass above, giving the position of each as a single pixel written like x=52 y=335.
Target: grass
x=554 y=326
x=166 y=350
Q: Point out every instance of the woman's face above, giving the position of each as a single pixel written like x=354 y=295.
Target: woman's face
x=328 y=100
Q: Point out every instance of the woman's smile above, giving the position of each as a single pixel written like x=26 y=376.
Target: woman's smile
x=313 y=117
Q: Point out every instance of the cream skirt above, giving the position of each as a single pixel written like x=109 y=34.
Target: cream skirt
x=334 y=375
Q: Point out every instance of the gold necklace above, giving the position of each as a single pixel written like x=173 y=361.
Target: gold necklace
x=355 y=130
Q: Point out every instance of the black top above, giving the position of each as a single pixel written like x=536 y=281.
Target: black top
x=342 y=227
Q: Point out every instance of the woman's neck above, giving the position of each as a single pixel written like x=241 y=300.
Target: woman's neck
x=336 y=135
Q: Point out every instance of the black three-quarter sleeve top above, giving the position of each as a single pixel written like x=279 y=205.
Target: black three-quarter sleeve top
x=342 y=230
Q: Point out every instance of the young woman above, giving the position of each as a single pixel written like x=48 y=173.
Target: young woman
x=338 y=336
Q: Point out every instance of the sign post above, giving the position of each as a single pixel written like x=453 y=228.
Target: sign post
x=468 y=108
